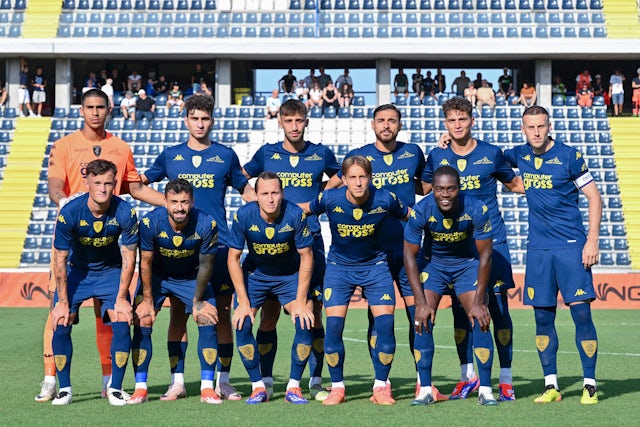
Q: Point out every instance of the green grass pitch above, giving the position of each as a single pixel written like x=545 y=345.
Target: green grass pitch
x=618 y=380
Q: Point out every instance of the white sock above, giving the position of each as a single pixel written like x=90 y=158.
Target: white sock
x=418 y=378
x=50 y=379
x=338 y=384
x=178 y=378
x=315 y=380
x=424 y=391
x=470 y=372
x=222 y=377
x=268 y=381
x=551 y=380
x=106 y=379
x=589 y=381
x=206 y=384
x=379 y=383
x=293 y=384
x=387 y=382
x=505 y=376
x=67 y=389
x=485 y=391
x=142 y=385
x=257 y=384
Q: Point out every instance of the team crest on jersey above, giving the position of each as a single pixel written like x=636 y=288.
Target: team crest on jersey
x=462 y=164
x=97 y=226
x=406 y=155
x=163 y=235
x=270 y=232
x=177 y=241
x=276 y=156
x=196 y=161
x=285 y=229
x=554 y=161
x=464 y=217
x=215 y=159
x=444 y=162
x=97 y=150
x=357 y=214
x=483 y=161
x=178 y=157
x=448 y=223
x=377 y=210
x=388 y=159
x=83 y=223
x=313 y=157
x=432 y=219
x=293 y=161
x=537 y=162
x=338 y=209
x=254 y=228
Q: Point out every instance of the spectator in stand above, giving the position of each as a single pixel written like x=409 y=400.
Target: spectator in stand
x=417 y=78
x=477 y=83
x=439 y=82
x=134 y=81
x=344 y=79
x=485 y=96
x=324 y=78
x=401 y=83
x=287 y=83
x=346 y=95
x=616 y=92
x=145 y=106
x=175 y=97
x=427 y=87
x=585 y=96
x=118 y=83
x=161 y=86
x=460 y=83
x=128 y=106
x=91 y=81
x=599 y=89
x=203 y=89
x=330 y=97
x=310 y=79
x=102 y=80
x=149 y=87
x=273 y=105
x=39 y=84
x=107 y=88
x=315 y=96
x=470 y=93
x=302 y=91
x=89 y=84
x=528 y=95
x=199 y=75
x=3 y=95
x=581 y=79
x=558 y=87
x=635 y=85
x=505 y=82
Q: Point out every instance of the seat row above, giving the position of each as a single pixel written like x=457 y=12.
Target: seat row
x=139 y=4
x=444 y=4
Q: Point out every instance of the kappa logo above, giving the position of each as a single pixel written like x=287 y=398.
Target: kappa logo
x=306 y=232
x=254 y=228
x=61 y=219
x=146 y=221
x=487 y=227
x=527 y=158
x=163 y=235
x=313 y=157
x=338 y=209
x=412 y=214
x=276 y=156
x=287 y=228
x=83 y=223
x=484 y=209
x=498 y=283
x=578 y=155
x=215 y=159
x=483 y=161
x=385 y=297
x=370 y=158
x=224 y=287
x=554 y=161
x=579 y=293
x=377 y=210
x=406 y=155
x=178 y=158
x=432 y=219
x=444 y=162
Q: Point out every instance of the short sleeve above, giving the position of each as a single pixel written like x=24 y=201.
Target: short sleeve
x=128 y=221
x=64 y=230
x=427 y=173
x=237 y=237
x=578 y=170
x=414 y=228
x=318 y=205
x=303 y=235
x=255 y=166
x=504 y=172
x=147 y=233
x=332 y=166
x=209 y=236
x=397 y=209
x=482 y=229
x=510 y=156
x=131 y=173
x=238 y=180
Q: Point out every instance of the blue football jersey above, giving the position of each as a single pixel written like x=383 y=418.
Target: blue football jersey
x=301 y=173
x=273 y=247
x=479 y=171
x=210 y=171
x=395 y=171
x=93 y=242
x=551 y=182
x=451 y=237
x=354 y=228
x=176 y=253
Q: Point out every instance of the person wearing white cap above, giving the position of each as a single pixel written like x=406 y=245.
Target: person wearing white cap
x=145 y=106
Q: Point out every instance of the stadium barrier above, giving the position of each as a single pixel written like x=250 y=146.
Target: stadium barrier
x=613 y=290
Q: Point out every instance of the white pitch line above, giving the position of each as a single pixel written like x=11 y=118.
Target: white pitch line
x=449 y=347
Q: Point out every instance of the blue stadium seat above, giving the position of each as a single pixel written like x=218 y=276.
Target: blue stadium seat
x=210 y=4
x=425 y=4
x=496 y=4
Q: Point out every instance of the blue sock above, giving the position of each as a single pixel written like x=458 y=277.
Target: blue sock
x=267 y=347
x=385 y=346
x=586 y=338
x=411 y=314
x=300 y=351
x=62 y=354
x=177 y=352
x=248 y=348
x=423 y=355
x=120 y=348
x=502 y=327
x=483 y=349
x=141 y=352
x=207 y=351
x=546 y=338
x=372 y=335
x=225 y=354
x=317 y=352
x=462 y=333
x=334 y=348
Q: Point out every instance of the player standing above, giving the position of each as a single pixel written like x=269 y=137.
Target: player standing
x=210 y=168
x=301 y=166
x=177 y=250
x=279 y=264
x=559 y=254
x=66 y=173
x=356 y=258
x=89 y=263
x=481 y=166
x=458 y=237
